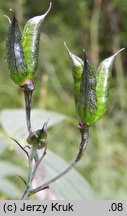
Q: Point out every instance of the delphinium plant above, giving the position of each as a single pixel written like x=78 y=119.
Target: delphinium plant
x=91 y=92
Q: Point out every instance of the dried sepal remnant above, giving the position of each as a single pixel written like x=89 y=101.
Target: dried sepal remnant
x=15 y=55
x=30 y=41
x=38 y=138
x=91 y=87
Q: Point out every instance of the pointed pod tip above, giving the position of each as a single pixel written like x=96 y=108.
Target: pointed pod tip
x=12 y=12
x=65 y=43
x=109 y=61
x=122 y=49
x=67 y=47
x=13 y=15
x=40 y=18
x=84 y=53
x=84 y=56
x=75 y=59
x=50 y=4
x=9 y=20
x=84 y=50
x=69 y=52
x=118 y=52
x=49 y=8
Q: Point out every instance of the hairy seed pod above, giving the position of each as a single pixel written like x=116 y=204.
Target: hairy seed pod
x=30 y=41
x=15 y=55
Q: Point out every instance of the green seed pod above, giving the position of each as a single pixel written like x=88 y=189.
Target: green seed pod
x=15 y=56
x=30 y=41
x=103 y=79
x=87 y=103
x=77 y=64
x=91 y=88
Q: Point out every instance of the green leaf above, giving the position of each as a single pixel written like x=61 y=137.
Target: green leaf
x=72 y=186
x=14 y=122
x=9 y=189
x=10 y=169
x=4 y=143
x=30 y=41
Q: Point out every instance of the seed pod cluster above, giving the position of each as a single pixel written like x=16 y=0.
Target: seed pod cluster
x=23 y=49
x=91 y=87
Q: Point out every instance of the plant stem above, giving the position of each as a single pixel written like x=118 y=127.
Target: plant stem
x=38 y=163
x=29 y=181
x=28 y=89
x=84 y=140
x=28 y=97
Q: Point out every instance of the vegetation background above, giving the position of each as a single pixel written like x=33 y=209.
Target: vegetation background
x=98 y=26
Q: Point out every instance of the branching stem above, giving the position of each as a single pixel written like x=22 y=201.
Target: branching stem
x=82 y=147
x=28 y=89
x=38 y=163
x=29 y=181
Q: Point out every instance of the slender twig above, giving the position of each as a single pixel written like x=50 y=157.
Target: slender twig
x=36 y=157
x=22 y=179
x=32 y=172
x=29 y=181
x=28 y=97
x=25 y=194
x=20 y=146
x=32 y=155
x=38 y=163
x=82 y=147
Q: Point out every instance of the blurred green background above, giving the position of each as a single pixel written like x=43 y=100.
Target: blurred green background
x=100 y=27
